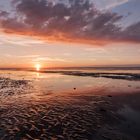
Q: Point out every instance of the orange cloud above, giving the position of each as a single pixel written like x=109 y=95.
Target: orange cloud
x=77 y=22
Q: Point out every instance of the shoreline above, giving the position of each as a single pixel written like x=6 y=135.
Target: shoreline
x=29 y=113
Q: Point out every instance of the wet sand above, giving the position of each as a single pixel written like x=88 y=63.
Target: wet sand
x=28 y=112
x=114 y=75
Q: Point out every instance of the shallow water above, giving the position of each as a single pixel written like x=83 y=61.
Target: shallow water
x=58 y=83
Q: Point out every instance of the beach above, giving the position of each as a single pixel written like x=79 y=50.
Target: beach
x=69 y=69
x=69 y=105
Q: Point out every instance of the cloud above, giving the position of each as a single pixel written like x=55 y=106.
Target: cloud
x=72 y=21
x=3 y=13
x=106 y=4
x=96 y=50
x=22 y=56
x=18 y=40
x=40 y=59
x=131 y=33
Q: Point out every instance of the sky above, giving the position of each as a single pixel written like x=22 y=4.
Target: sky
x=69 y=33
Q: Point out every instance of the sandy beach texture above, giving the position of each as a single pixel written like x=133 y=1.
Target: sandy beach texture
x=29 y=113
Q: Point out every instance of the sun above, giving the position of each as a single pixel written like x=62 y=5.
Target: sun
x=38 y=67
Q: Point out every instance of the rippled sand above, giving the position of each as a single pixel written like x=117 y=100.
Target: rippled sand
x=28 y=111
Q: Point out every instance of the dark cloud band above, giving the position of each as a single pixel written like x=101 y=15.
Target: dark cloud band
x=73 y=20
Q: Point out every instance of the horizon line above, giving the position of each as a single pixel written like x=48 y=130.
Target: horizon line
x=65 y=67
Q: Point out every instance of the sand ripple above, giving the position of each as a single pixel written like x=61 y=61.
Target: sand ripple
x=51 y=117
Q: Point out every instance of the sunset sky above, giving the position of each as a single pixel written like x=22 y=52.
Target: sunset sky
x=65 y=33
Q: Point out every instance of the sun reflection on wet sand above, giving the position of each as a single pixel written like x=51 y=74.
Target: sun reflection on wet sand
x=37 y=74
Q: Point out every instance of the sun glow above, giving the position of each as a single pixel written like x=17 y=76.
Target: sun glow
x=38 y=67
